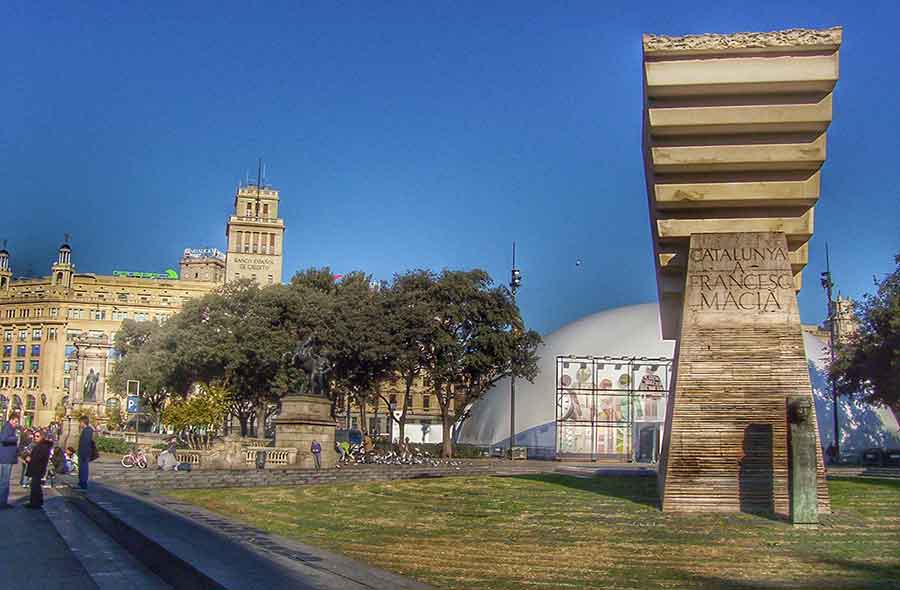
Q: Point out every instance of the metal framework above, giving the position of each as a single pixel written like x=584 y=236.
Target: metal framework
x=611 y=407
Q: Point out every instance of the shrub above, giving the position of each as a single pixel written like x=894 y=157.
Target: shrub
x=118 y=446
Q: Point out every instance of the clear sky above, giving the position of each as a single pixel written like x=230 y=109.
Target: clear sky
x=401 y=135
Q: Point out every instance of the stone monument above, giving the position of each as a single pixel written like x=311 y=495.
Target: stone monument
x=734 y=138
x=308 y=415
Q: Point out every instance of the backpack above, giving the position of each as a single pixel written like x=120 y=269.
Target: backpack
x=95 y=454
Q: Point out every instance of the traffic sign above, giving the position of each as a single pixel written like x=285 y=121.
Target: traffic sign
x=133 y=404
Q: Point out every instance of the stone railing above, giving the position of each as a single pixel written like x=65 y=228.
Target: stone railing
x=275 y=456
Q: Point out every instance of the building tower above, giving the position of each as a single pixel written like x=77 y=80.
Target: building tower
x=255 y=235
x=62 y=270
x=5 y=273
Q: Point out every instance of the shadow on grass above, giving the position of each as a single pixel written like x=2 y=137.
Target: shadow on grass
x=636 y=489
x=860 y=575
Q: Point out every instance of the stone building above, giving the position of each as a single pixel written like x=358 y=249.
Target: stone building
x=255 y=235
x=57 y=332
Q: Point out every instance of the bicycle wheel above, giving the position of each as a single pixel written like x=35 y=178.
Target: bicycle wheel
x=128 y=461
x=142 y=462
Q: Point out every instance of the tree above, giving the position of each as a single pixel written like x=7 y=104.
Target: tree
x=146 y=355
x=197 y=418
x=480 y=338
x=868 y=361
x=409 y=317
x=358 y=341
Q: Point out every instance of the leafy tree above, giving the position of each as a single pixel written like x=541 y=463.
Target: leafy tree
x=869 y=360
x=358 y=341
x=197 y=418
x=409 y=317
x=480 y=338
x=147 y=355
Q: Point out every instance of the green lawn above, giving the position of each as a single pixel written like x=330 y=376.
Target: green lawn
x=556 y=531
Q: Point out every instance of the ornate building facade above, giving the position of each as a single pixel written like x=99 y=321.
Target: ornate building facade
x=58 y=331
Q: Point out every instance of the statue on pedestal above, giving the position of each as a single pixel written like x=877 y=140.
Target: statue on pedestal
x=314 y=366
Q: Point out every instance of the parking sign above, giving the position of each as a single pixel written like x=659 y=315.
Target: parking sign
x=133 y=404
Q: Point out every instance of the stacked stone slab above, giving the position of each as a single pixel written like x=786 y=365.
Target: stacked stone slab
x=734 y=139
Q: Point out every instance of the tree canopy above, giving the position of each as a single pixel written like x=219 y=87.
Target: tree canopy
x=868 y=361
x=456 y=330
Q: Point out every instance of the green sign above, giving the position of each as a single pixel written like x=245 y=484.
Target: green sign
x=168 y=274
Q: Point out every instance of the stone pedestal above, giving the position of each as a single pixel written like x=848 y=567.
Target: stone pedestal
x=303 y=419
x=740 y=358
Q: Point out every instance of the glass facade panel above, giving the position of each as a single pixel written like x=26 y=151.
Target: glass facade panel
x=610 y=407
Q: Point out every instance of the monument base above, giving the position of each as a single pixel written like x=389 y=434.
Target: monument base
x=740 y=357
x=303 y=419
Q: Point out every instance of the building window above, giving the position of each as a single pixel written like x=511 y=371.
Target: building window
x=4 y=383
x=66 y=383
x=30 y=403
x=35 y=350
x=51 y=333
x=24 y=313
x=54 y=312
x=34 y=367
x=23 y=334
x=20 y=350
x=32 y=383
x=7 y=336
x=119 y=315
x=36 y=334
x=6 y=366
x=20 y=366
x=18 y=383
x=271 y=279
x=140 y=316
x=99 y=314
x=409 y=401
x=7 y=350
x=122 y=296
x=265 y=210
x=426 y=402
x=39 y=312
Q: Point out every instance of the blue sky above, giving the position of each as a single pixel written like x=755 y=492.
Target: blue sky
x=402 y=135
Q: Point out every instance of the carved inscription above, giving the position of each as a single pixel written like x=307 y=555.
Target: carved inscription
x=740 y=279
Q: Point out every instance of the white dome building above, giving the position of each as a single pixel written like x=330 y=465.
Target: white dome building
x=630 y=331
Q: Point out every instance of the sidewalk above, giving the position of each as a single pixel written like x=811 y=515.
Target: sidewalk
x=194 y=549
x=31 y=547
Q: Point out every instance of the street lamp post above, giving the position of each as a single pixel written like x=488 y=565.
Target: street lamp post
x=828 y=284
x=515 y=280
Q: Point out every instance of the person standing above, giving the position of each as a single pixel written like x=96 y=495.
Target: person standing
x=9 y=456
x=85 y=452
x=316 y=450
x=37 y=466
x=26 y=442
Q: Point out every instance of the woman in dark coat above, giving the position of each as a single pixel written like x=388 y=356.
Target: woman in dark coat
x=37 y=466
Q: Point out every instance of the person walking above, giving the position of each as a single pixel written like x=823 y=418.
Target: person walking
x=37 y=466
x=316 y=450
x=85 y=452
x=9 y=456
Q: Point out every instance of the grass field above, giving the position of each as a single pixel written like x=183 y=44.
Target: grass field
x=556 y=531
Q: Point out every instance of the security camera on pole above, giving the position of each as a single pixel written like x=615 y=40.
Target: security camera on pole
x=515 y=280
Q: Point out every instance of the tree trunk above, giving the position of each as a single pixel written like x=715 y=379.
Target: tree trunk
x=446 y=425
x=363 y=426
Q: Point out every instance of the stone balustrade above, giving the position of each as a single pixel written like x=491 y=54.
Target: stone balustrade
x=275 y=456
